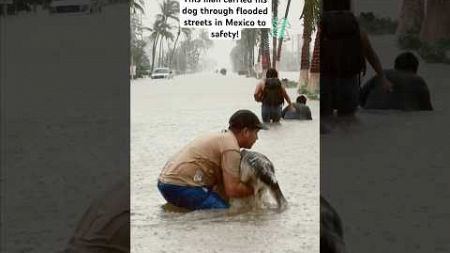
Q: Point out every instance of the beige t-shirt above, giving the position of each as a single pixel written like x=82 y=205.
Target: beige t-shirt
x=201 y=162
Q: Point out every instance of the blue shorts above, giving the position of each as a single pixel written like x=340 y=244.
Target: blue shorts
x=190 y=197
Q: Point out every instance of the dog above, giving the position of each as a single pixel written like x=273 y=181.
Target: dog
x=331 y=231
x=258 y=171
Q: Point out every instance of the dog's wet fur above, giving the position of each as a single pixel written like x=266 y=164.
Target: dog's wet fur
x=258 y=171
x=331 y=230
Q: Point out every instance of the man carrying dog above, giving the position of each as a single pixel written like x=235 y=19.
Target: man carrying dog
x=205 y=173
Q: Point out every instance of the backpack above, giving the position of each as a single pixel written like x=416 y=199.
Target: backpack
x=341 y=52
x=273 y=92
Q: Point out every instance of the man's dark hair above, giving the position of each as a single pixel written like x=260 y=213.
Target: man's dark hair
x=406 y=61
x=301 y=99
x=245 y=119
x=336 y=5
x=271 y=73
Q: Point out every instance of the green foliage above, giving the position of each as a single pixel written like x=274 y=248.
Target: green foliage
x=431 y=52
x=435 y=52
x=140 y=59
x=314 y=95
x=137 y=6
x=409 y=41
x=289 y=83
x=376 y=25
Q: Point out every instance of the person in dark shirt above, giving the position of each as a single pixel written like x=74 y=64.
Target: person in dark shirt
x=344 y=50
x=298 y=110
x=271 y=93
x=410 y=92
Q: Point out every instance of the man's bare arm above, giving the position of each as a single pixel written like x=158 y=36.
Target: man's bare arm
x=374 y=61
x=234 y=188
x=286 y=96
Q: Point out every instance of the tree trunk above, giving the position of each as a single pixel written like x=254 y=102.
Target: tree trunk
x=436 y=25
x=155 y=44
x=411 y=17
x=250 y=48
x=160 y=52
x=175 y=45
x=314 y=74
x=274 y=33
x=265 y=50
x=304 y=62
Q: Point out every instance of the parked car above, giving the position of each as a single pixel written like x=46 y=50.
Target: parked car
x=74 y=6
x=162 y=73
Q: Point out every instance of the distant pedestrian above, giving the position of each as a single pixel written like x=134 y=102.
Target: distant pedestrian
x=344 y=49
x=298 y=110
x=409 y=91
x=272 y=94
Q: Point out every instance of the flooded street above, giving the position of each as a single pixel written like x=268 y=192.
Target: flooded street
x=387 y=173
x=167 y=114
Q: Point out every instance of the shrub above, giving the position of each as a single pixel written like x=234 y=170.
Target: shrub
x=409 y=41
x=375 y=25
x=435 y=52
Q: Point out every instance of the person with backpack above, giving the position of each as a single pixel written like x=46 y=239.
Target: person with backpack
x=272 y=94
x=344 y=49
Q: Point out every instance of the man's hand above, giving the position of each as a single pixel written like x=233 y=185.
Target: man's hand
x=386 y=84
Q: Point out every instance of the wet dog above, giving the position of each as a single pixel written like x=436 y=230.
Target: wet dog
x=258 y=171
x=331 y=231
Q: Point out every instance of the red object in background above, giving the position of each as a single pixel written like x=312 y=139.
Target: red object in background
x=265 y=61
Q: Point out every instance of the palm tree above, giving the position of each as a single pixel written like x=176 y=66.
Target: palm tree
x=411 y=17
x=264 y=49
x=436 y=26
x=186 y=32
x=314 y=70
x=274 y=32
x=165 y=34
x=154 y=37
x=249 y=39
x=310 y=16
x=161 y=28
x=169 y=10
x=137 y=6
x=178 y=55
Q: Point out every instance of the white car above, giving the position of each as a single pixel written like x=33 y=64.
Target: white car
x=74 y=6
x=162 y=73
